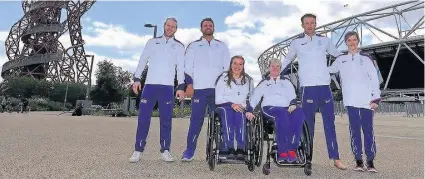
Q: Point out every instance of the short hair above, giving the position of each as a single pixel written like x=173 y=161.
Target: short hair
x=307 y=15
x=351 y=33
x=275 y=61
x=207 y=19
x=172 y=19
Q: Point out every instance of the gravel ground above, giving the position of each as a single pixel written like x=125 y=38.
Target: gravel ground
x=44 y=145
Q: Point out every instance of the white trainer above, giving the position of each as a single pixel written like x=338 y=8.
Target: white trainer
x=166 y=156
x=135 y=157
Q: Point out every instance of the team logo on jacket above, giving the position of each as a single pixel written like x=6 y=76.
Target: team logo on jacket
x=196 y=100
x=143 y=101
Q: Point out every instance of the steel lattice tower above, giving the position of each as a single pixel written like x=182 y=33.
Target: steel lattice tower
x=33 y=46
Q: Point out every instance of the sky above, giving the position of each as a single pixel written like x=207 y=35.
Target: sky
x=115 y=30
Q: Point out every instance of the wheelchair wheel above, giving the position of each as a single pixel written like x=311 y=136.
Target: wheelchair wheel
x=251 y=166
x=214 y=143
x=307 y=169
x=209 y=136
x=259 y=132
x=308 y=148
x=250 y=145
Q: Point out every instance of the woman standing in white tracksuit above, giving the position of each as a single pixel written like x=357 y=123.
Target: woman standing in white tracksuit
x=231 y=98
x=361 y=96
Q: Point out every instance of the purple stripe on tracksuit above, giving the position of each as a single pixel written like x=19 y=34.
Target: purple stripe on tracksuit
x=150 y=94
x=232 y=123
x=320 y=97
x=201 y=98
x=361 y=119
x=288 y=126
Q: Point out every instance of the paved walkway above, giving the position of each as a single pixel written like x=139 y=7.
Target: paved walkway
x=44 y=145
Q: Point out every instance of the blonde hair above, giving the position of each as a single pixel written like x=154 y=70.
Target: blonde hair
x=275 y=61
x=172 y=19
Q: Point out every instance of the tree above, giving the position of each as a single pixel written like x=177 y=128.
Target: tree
x=125 y=79
x=76 y=92
x=107 y=88
x=20 y=86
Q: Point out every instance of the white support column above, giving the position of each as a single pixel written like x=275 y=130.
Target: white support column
x=392 y=66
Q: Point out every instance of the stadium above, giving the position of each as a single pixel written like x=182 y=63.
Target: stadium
x=399 y=52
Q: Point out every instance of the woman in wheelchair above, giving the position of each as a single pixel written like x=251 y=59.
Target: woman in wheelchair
x=231 y=93
x=279 y=104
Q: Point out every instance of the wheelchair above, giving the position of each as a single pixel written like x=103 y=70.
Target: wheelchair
x=253 y=144
x=304 y=151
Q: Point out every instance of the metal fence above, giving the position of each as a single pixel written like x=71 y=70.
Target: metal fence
x=405 y=109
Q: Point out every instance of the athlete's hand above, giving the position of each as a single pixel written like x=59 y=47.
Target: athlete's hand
x=292 y=108
x=136 y=87
x=180 y=94
x=249 y=116
x=189 y=90
x=238 y=107
x=374 y=106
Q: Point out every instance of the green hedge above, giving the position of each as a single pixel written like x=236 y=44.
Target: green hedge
x=40 y=104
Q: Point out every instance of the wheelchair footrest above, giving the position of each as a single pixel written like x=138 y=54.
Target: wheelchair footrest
x=231 y=161
x=288 y=164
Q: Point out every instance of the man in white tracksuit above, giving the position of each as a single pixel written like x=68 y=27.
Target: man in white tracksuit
x=310 y=50
x=361 y=96
x=205 y=60
x=165 y=55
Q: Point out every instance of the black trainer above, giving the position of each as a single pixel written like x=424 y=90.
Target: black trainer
x=223 y=154
x=371 y=167
x=240 y=154
x=359 y=166
x=232 y=154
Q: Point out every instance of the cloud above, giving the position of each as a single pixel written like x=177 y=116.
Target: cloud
x=127 y=64
x=3 y=35
x=65 y=40
x=109 y=35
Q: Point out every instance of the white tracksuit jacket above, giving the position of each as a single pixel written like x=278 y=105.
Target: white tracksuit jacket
x=359 y=79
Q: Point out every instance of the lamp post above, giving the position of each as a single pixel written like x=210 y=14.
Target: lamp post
x=91 y=69
x=155 y=27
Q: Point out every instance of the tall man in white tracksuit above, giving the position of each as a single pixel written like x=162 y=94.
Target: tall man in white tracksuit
x=361 y=95
x=205 y=60
x=310 y=50
x=166 y=56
